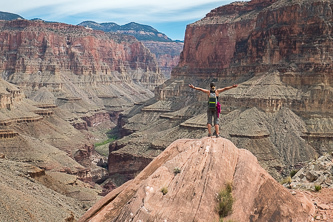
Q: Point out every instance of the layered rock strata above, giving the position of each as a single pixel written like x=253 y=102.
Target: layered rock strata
x=36 y=47
x=71 y=61
x=82 y=76
x=166 y=51
x=167 y=54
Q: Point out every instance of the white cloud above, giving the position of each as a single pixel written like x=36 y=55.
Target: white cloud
x=141 y=9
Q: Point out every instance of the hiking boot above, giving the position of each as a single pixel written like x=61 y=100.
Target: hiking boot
x=217 y=135
x=209 y=135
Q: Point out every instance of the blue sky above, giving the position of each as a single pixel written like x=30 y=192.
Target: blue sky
x=169 y=17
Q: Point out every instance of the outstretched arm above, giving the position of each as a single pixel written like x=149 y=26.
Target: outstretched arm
x=226 y=88
x=200 y=89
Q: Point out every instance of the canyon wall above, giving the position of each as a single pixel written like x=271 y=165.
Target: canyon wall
x=51 y=61
x=36 y=47
x=166 y=51
x=79 y=75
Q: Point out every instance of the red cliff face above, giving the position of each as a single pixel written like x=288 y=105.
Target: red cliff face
x=35 y=47
x=257 y=36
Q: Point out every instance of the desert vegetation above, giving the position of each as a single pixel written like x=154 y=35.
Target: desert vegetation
x=176 y=170
x=164 y=190
x=225 y=201
x=317 y=187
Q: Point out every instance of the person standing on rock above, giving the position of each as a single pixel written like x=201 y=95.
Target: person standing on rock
x=213 y=105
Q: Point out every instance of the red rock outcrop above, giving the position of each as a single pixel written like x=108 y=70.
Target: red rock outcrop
x=205 y=166
x=257 y=36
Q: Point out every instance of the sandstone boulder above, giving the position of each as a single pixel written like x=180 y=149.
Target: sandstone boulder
x=204 y=167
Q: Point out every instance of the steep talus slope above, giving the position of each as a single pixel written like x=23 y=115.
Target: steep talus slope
x=279 y=53
x=205 y=167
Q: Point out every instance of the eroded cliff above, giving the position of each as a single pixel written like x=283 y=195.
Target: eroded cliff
x=44 y=161
x=166 y=51
x=36 y=54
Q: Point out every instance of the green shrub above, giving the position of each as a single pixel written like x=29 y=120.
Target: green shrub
x=293 y=172
x=176 y=170
x=105 y=142
x=164 y=190
x=317 y=187
x=225 y=201
x=286 y=180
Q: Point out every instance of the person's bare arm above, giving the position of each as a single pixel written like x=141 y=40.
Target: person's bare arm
x=198 y=88
x=226 y=88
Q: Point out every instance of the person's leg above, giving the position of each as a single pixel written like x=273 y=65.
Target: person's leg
x=216 y=124
x=209 y=126
x=209 y=122
x=217 y=129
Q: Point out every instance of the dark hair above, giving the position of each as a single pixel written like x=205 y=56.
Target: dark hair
x=212 y=84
